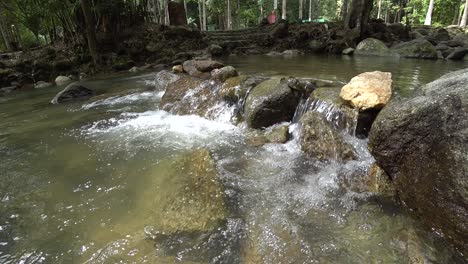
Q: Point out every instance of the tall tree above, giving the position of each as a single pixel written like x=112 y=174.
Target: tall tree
x=465 y=15
x=430 y=9
x=283 y=10
x=379 y=11
x=310 y=10
x=275 y=5
x=90 y=33
x=204 y=15
x=228 y=17
x=359 y=14
x=301 y=9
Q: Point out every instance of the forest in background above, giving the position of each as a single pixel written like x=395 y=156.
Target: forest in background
x=26 y=24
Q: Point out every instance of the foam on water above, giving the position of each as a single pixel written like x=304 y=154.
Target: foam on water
x=126 y=99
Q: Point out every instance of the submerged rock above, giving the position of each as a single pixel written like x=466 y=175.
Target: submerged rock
x=42 y=84
x=373 y=47
x=72 y=92
x=422 y=143
x=190 y=196
x=270 y=102
x=164 y=78
x=348 y=51
x=419 y=49
x=369 y=90
x=320 y=140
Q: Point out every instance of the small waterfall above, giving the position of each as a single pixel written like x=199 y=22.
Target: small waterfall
x=341 y=119
x=302 y=108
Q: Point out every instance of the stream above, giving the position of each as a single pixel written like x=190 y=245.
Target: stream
x=78 y=179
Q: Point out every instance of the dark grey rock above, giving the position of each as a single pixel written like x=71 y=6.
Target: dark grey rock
x=72 y=92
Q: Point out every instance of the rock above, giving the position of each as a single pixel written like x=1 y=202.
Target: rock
x=134 y=69
x=164 y=78
x=72 y=92
x=42 y=84
x=8 y=89
x=344 y=118
x=278 y=135
x=316 y=45
x=215 y=50
x=458 y=54
x=422 y=143
x=123 y=65
x=274 y=54
x=198 y=67
x=369 y=90
x=439 y=35
x=321 y=141
x=224 y=73
x=291 y=53
x=348 y=51
x=440 y=55
x=176 y=90
x=462 y=38
x=62 y=65
x=270 y=102
x=373 y=47
x=418 y=48
x=61 y=80
x=178 y=69
x=280 y=30
x=230 y=91
x=195 y=201
x=378 y=181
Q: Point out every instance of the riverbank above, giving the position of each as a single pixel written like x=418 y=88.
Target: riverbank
x=157 y=47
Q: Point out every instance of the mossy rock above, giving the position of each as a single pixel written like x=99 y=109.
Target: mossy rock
x=419 y=49
x=189 y=196
x=373 y=47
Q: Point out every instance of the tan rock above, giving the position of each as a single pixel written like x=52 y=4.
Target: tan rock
x=178 y=69
x=369 y=90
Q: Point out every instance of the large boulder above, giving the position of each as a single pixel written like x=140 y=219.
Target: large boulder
x=322 y=141
x=72 y=92
x=369 y=90
x=61 y=80
x=458 y=54
x=422 y=143
x=164 y=78
x=224 y=73
x=177 y=90
x=271 y=102
x=419 y=49
x=373 y=47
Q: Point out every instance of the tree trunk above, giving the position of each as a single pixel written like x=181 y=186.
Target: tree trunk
x=5 y=36
x=301 y=9
x=428 y=20
x=456 y=14
x=186 y=11
x=379 y=12
x=358 y=15
x=275 y=5
x=229 y=22
x=204 y=15
x=167 y=20
x=465 y=15
x=310 y=10
x=283 y=10
x=156 y=11
x=200 y=14
x=90 y=33
x=344 y=9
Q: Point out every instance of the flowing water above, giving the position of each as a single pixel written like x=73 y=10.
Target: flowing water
x=78 y=181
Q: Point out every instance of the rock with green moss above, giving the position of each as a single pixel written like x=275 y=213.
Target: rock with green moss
x=322 y=141
x=419 y=49
x=373 y=47
x=177 y=90
x=278 y=135
x=272 y=101
x=189 y=196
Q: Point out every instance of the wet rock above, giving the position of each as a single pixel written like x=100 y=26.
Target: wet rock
x=198 y=67
x=134 y=69
x=462 y=38
x=373 y=47
x=8 y=89
x=348 y=51
x=42 y=84
x=378 y=181
x=72 y=92
x=195 y=200
x=224 y=73
x=316 y=45
x=274 y=54
x=369 y=90
x=458 y=54
x=321 y=141
x=270 y=102
x=215 y=50
x=418 y=48
x=278 y=135
x=422 y=143
x=231 y=90
x=328 y=102
x=61 y=80
x=164 y=78
x=176 y=90
x=291 y=53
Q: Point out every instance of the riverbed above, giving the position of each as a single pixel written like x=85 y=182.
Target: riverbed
x=78 y=179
